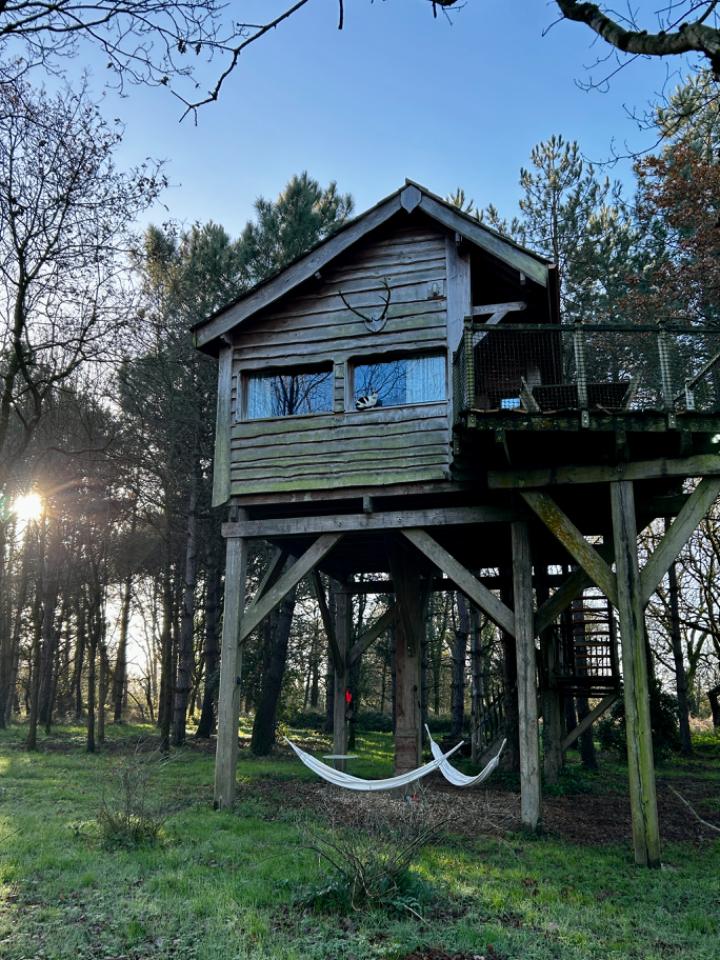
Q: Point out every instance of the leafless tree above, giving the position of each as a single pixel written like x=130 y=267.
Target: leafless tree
x=66 y=216
x=155 y=42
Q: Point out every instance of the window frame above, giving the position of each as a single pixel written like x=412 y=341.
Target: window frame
x=367 y=360
x=245 y=375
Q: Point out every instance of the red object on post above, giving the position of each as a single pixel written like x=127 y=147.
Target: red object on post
x=348 y=697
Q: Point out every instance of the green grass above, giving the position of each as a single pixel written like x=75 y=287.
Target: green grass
x=221 y=886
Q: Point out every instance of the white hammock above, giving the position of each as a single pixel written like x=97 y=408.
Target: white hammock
x=454 y=776
x=340 y=779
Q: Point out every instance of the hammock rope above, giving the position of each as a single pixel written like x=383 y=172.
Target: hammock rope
x=454 y=776
x=348 y=782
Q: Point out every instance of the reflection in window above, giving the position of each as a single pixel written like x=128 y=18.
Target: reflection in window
x=288 y=394
x=405 y=380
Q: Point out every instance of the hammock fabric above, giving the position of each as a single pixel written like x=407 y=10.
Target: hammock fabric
x=345 y=780
x=454 y=776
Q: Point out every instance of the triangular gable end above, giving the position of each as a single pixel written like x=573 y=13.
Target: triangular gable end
x=409 y=198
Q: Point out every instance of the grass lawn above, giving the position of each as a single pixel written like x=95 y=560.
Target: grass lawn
x=220 y=886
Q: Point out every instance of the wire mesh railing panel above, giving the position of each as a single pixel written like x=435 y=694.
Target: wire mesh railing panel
x=694 y=369
x=622 y=370
x=601 y=369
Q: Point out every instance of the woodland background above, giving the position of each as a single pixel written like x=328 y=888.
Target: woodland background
x=111 y=558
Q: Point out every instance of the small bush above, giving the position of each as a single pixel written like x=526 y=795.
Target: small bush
x=665 y=728
x=707 y=742
x=370 y=863
x=127 y=816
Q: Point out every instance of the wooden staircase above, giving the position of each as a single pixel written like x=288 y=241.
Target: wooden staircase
x=588 y=647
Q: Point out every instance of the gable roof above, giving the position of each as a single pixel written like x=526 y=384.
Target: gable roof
x=412 y=196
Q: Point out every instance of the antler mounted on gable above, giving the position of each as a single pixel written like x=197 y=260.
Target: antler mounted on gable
x=376 y=321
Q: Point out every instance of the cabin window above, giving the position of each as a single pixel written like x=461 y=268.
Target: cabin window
x=403 y=380
x=287 y=393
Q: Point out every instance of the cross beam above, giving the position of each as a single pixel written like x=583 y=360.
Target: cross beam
x=466 y=582
x=256 y=612
x=700 y=465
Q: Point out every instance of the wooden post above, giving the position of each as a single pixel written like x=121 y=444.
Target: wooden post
x=530 y=803
x=230 y=665
x=552 y=705
x=410 y=626
x=641 y=769
x=510 y=759
x=343 y=610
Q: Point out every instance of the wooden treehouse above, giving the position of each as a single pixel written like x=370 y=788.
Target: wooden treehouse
x=403 y=400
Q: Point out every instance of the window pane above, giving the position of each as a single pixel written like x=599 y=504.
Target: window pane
x=286 y=394
x=407 y=380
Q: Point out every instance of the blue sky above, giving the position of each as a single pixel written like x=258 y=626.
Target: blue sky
x=395 y=94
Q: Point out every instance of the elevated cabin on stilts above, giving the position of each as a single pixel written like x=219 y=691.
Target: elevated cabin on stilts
x=404 y=399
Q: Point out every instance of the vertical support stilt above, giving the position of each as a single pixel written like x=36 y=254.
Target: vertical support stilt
x=641 y=768
x=409 y=632
x=230 y=665
x=552 y=701
x=510 y=759
x=343 y=610
x=530 y=803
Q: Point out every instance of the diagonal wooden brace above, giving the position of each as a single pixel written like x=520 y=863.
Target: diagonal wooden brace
x=274 y=569
x=466 y=582
x=370 y=635
x=255 y=614
x=681 y=529
x=589 y=719
x=568 y=591
x=560 y=525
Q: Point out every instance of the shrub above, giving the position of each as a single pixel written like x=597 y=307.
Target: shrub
x=663 y=718
x=370 y=861
x=127 y=816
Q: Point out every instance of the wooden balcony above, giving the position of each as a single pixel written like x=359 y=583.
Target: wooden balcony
x=623 y=392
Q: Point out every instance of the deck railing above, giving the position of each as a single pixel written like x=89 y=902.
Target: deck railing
x=586 y=369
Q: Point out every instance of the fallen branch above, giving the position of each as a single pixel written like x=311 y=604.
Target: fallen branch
x=693 y=811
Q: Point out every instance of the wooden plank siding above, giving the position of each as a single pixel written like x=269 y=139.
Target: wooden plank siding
x=345 y=447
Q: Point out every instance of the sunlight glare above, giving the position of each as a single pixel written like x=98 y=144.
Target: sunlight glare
x=28 y=507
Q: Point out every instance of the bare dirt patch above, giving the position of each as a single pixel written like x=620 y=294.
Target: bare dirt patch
x=579 y=818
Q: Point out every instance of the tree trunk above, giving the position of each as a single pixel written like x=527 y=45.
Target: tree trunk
x=511 y=757
x=411 y=599
x=91 y=688
x=120 y=674
x=587 y=742
x=459 y=654
x=211 y=650
x=329 y=689
x=49 y=592
x=103 y=683
x=35 y=650
x=166 y=661
x=679 y=661
x=315 y=670
x=34 y=688
x=714 y=698
x=79 y=657
x=276 y=634
x=187 y=622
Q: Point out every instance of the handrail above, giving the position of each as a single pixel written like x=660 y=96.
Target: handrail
x=592 y=327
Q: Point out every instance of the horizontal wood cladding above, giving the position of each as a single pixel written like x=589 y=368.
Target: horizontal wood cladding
x=319 y=324
x=386 y=445
x=392 y=445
